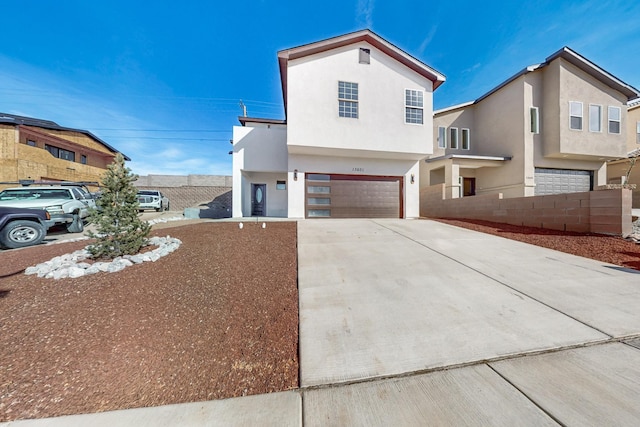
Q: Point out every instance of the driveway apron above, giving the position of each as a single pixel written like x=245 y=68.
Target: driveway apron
x=380 y=298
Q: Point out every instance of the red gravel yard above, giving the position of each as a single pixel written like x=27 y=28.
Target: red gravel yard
x=217 y=318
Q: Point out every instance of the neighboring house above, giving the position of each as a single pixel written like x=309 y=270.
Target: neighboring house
x=549 y=129
x=617 y=169
x=358 y=122
x=43 y=150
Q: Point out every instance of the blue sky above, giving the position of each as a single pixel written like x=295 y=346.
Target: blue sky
x=161 y=81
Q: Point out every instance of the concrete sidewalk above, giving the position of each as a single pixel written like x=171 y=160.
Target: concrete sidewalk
x=420 y=323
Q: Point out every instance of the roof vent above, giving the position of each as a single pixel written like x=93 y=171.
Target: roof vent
x=365 y=56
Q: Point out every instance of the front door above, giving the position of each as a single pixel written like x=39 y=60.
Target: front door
x=258 y=199
x=469 y=187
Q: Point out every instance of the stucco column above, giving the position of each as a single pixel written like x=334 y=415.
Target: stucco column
x=296 y=193
x=236 y=194
x=452 y=180
x=600 y=176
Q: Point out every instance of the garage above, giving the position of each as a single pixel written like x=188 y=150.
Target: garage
x=557 y=181
x=353 y=196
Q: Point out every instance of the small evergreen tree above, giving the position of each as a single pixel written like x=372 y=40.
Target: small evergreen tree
x=119 y=229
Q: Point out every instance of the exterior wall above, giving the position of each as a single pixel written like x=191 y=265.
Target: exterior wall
x=576 y=85
x=617 y=170
x=352 y=166
x=276 y=200
x=633 y=118
x=500 y=123
x=79 y=139
x=607 y=211
x=313 y=123
x=167 y=181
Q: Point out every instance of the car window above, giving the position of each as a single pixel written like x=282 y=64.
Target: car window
x=18 y=194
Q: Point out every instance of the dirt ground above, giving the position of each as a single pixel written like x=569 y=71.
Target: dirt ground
x=217 y=318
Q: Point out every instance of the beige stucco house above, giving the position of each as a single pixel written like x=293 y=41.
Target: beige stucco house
x=35 y=149
x=617 y=169
x=551 y=128
x=358 y=122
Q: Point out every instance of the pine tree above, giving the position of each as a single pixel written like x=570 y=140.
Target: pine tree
x=119 y=229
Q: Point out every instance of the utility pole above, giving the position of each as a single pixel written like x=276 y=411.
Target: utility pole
x=244 y=108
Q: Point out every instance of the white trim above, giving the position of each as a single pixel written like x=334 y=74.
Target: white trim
x=457 y=138
x=453 y=107
x=581 y=115
x=599 y=120
x=442 y=142
x=413 y=106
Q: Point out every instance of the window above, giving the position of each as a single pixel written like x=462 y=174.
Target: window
x=535 y=119
x=60 y=153
x=453 y=137
x=364 y=56
x=414 y=102
x=638 y=132
x=83 y=159
x=348 y=99
x=31 y=143
x=318 y=201
x=317 y=189
x=614 y=119
x=575 y=115
x=281 y=185
x=442 y=137
x=595 y=118
x=465 y=139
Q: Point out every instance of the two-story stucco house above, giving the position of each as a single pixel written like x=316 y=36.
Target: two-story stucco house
x=358 y=122
x=549 y=129
x=617 y=169
x=39 y=149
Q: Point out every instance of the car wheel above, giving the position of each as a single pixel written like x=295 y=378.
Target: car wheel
x=21 y=233
x=76 y=226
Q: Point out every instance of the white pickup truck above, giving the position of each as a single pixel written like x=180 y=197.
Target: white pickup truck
x=67 y=204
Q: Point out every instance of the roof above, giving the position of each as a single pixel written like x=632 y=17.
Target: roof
x=574 y=58
x=244 y=120
x=48 y=124
x=633 y=104
x=367 y=36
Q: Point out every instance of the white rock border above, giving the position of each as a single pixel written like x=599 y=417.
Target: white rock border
x=73 y=265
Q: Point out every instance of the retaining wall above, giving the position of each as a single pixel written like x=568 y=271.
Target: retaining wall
x=605 y=211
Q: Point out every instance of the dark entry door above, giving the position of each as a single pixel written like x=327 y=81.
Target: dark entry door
x=469 y=187
x=258 y=199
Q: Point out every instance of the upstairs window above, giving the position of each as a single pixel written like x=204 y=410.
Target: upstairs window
x=614 y=119
x=83 y=159
x=453 y=133
x=575 y=115
x=442 y=137
x=348 y=99
x=414 y=105
x=31 y=143
x=595 y=118
x=466 y=143
x=534 y=114
x=60 y=153
x=638 y=132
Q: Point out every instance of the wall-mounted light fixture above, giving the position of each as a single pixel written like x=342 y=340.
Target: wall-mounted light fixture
x=413 y=178
x=231 y=141
x=295 y=174
x=231 y=152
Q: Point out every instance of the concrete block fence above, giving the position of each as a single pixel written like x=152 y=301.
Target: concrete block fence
x=187 y=191
x=604 y=211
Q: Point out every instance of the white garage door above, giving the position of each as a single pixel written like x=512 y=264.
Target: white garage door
x=557 y=181
x=353 y=196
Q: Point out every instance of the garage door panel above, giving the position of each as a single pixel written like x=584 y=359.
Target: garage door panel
x=557 y=181
x=358 y=197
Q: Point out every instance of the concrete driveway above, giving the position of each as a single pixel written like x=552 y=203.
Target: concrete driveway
x=424 y=322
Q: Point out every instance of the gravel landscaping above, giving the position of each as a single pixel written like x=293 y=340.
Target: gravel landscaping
x=217 y=318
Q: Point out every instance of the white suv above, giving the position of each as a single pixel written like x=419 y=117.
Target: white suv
x=67 y=204
x=152 y=199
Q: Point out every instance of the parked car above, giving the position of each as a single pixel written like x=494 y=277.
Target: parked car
x=152 y=199
x=67 y=204
x=23 y=227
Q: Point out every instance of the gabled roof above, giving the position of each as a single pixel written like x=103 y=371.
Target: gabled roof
x=48 y=124
x=574 y=58
x=367 y=36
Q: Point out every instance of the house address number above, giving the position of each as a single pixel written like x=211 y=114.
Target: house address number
x=357 y=170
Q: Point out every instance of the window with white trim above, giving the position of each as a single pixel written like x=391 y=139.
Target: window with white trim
x=453 y=137
x=442 y=137
x=595 y=118
x=638 y=132
x=575 y=115
x=614 y=114
x=534 y=114
x=466 y=141
x=414 y=106
x=348 y=99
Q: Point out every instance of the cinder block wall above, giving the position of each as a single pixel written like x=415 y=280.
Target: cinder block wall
x=186 y=191
x=606 y=211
